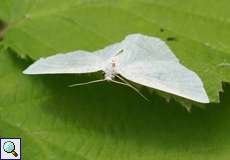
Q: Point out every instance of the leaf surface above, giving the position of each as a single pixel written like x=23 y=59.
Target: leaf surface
x=107 y=121
x=46 y=27
x=82 y=123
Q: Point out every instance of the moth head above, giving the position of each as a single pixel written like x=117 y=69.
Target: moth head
x=107 y=78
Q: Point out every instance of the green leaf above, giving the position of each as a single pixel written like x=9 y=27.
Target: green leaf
x=104 y=121
x=43 y=28
x=107 y=121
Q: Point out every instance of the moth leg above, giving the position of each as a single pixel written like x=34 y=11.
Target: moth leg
x=85 y=83
x=126 y=83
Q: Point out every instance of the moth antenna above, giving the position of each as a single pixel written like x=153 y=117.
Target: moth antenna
x=126 y=83
x=119 y=52
x=85 y=83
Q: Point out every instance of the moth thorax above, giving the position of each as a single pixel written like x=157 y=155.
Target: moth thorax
x=110 y=69
x=109 y=74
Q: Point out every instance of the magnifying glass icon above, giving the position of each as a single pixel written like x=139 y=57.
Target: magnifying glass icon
x=9 y=147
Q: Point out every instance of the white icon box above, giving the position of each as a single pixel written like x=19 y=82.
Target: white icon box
x=10 y=149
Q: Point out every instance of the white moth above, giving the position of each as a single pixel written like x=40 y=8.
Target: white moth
x=138 y=58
